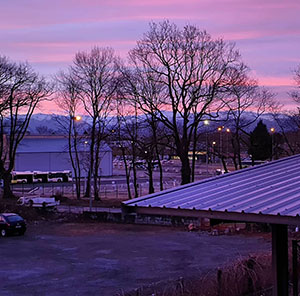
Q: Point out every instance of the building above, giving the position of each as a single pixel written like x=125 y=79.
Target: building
x=50 y=153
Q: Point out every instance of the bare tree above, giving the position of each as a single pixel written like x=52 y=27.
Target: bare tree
x=95 y=73
x=191 y=68
x=21 y=91
x=7 y=70
x=288 y=122
x=135 y=86
x=68 y=101
x=296 y=93
x=244 y=96
x=123 y=141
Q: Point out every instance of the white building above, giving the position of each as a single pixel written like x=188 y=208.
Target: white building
x=50 y=153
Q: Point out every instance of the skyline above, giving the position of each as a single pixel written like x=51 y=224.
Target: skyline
x=48 y=34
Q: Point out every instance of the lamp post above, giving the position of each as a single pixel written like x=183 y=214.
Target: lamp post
x=73 y=140
x=85 y=143
x=220 y=128
x=214 y=150
x=227 y=140
x=206 y=123
x=272 y=129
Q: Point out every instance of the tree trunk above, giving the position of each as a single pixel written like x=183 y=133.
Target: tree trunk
x=74 y=158
x=194 y=154
x=77 y=185
x=7 y=193
x=136 y=192
x=96 y=192
x=224 y=164
x=161 y=184
x=239 y=152
x=150 y=172
x=185 y=169
x=88 y=184
x=235 y=154
x=127 y=172
x=92 y=152
x=96 y=169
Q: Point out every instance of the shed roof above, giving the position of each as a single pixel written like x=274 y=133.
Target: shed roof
x=266 y=193
x=40 y=144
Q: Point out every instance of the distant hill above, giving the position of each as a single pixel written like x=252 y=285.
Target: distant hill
x=51 y=124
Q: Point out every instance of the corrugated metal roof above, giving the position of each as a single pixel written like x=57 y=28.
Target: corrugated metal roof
x=269 y=189
x=51 y=144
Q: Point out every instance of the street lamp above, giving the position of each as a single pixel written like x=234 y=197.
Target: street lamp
x=220 y=128
x=227 y=133
x=77 y=118
x=85 y=158
x=206 y=123
x=272 y=129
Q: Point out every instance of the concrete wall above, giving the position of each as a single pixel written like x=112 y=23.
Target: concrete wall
x=59 y=161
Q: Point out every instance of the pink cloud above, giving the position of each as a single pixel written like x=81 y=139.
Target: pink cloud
x=276 y=81
x=49 y=33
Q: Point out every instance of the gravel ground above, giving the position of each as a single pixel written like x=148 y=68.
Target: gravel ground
x=103 y=259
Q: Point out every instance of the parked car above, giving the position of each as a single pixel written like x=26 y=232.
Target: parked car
x=11 y=223
x=38 y=201
x=221 y=172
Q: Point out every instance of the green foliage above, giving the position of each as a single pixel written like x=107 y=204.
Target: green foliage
x=260 y=142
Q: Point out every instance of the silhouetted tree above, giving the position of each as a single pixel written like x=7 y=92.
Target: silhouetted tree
x=21 y=90
x=95 y=73
x=260 y=143
x=245 y=95
x=68 y=100
x=296 y=93
x=190 y=70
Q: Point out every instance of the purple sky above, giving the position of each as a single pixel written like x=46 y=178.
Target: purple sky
x=48 y=33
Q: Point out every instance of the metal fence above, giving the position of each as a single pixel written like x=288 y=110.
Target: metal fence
x=107 y=191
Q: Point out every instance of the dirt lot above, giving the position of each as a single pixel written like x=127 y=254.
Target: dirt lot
x=103 y=259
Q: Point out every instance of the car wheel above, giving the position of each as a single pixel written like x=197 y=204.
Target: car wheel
x=59 y=180
x=30 y=203
x=21 y=232
x=3 y=232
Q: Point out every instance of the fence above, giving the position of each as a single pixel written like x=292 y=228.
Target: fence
x=106 y=191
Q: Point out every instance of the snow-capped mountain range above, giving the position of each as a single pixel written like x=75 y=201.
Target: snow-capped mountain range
x=47 y=123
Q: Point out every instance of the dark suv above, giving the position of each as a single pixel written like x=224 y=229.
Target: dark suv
x=11 y=223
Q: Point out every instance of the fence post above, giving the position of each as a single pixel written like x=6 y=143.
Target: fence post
x=295 y=267
x=219 y=281
x=250 y=265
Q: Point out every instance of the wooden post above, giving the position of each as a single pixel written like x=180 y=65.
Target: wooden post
x=280 y=259
x=219 y=281
x=295 y=267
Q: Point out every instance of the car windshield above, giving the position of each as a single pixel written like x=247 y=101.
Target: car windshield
x=14 y=218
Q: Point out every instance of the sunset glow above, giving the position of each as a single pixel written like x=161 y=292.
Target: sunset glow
x=47 y=34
